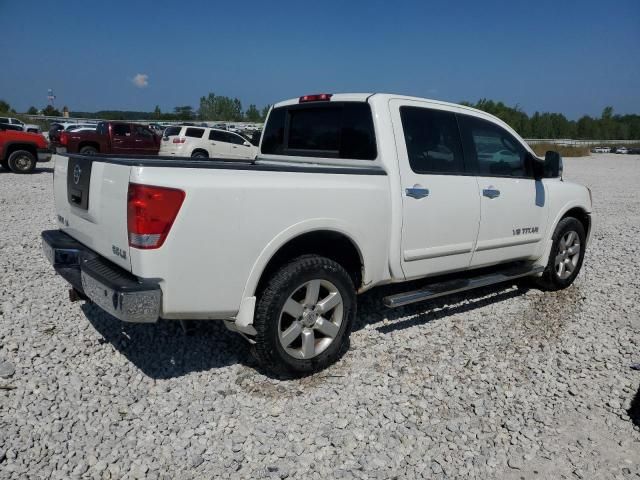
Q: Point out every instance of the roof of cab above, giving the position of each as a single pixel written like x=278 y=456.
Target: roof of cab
x=363 y=97
x=383 y=97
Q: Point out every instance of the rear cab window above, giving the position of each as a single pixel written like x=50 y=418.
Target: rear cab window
x=327 y=130
x=172 y=131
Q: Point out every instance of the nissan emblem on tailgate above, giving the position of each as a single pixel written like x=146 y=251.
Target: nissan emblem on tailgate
x=77 y=172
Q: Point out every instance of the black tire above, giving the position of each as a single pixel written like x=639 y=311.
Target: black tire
x=199 y=154
x=88 y=150
x=284 y=283
x=551 y=280
x=22 y=161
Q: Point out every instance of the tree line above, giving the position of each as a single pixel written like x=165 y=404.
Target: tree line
x=608 y=126
x=212 y=107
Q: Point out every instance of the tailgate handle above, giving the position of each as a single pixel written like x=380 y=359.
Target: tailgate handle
x=75 y=196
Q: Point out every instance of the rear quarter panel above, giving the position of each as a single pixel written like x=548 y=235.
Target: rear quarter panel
x=232 y=221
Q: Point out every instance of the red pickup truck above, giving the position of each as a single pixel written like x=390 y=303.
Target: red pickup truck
x=112 y=137
x=19 y=151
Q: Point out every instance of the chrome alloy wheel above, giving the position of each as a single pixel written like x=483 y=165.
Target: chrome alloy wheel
x=310 y=319
x=23 y=162
x=568 y=255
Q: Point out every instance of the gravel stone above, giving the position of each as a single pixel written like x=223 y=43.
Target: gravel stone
x=503 y=382
x=7 y=369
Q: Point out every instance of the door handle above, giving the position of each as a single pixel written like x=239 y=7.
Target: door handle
x=416 y=192
x=491 y=192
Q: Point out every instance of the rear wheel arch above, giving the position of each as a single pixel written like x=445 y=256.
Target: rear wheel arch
x=327 y=243
x=200 y=152
x=89 y=144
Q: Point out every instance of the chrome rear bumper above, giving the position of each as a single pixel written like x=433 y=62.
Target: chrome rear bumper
x=113 y=289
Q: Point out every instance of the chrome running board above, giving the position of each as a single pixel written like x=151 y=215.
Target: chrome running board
x=448 y=287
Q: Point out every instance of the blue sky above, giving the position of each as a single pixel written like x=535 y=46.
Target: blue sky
x=567 y=56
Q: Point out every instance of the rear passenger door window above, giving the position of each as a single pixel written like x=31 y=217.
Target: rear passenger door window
x=216 y=136
x=194 y=132
x=120 y=130
x=433 y=140
x=122 y=141
x=219 y=146
x=491 y=149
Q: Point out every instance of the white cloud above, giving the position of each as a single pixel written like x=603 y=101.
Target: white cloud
x=141 y=80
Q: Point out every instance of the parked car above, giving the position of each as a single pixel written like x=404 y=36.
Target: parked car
x=180 y=141
x=83 y=129
x=623 y=150
x=8 y=126
x=26 y=127
x=634 y=150
x=111 y=137
x=255 y=137
x=601 y=150
x=156 y=128
x=349 y=192
x=20 y=150
x=57 y=128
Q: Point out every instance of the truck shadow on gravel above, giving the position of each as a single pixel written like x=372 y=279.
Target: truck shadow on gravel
x=634 y=409
x=163 y=350
x=36 y=171
x=372 y=310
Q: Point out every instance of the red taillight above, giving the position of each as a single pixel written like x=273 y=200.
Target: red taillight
x=150 y=214
x=179 y=139
x=64 y=138
x=318 y=97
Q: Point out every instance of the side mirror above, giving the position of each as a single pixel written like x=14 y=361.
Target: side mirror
x=246 y=144
x=552 y=164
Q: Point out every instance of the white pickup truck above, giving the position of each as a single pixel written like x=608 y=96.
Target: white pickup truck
x=348 y=192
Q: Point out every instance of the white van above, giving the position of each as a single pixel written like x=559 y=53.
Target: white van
x=203 y=142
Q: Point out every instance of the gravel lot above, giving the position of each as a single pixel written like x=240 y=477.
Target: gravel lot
x=499 y=383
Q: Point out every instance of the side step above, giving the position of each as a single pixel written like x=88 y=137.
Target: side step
x=448 y=287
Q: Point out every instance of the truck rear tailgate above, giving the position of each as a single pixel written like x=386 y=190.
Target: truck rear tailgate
x=91 y=205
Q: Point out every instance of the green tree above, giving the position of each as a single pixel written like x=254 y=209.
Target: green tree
x=252 y=114
x=184 y=112
x=32 y=111
x=4 y=107
x=215 y=107
x=265 y=112
x=50 y=111
x=157 y=113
